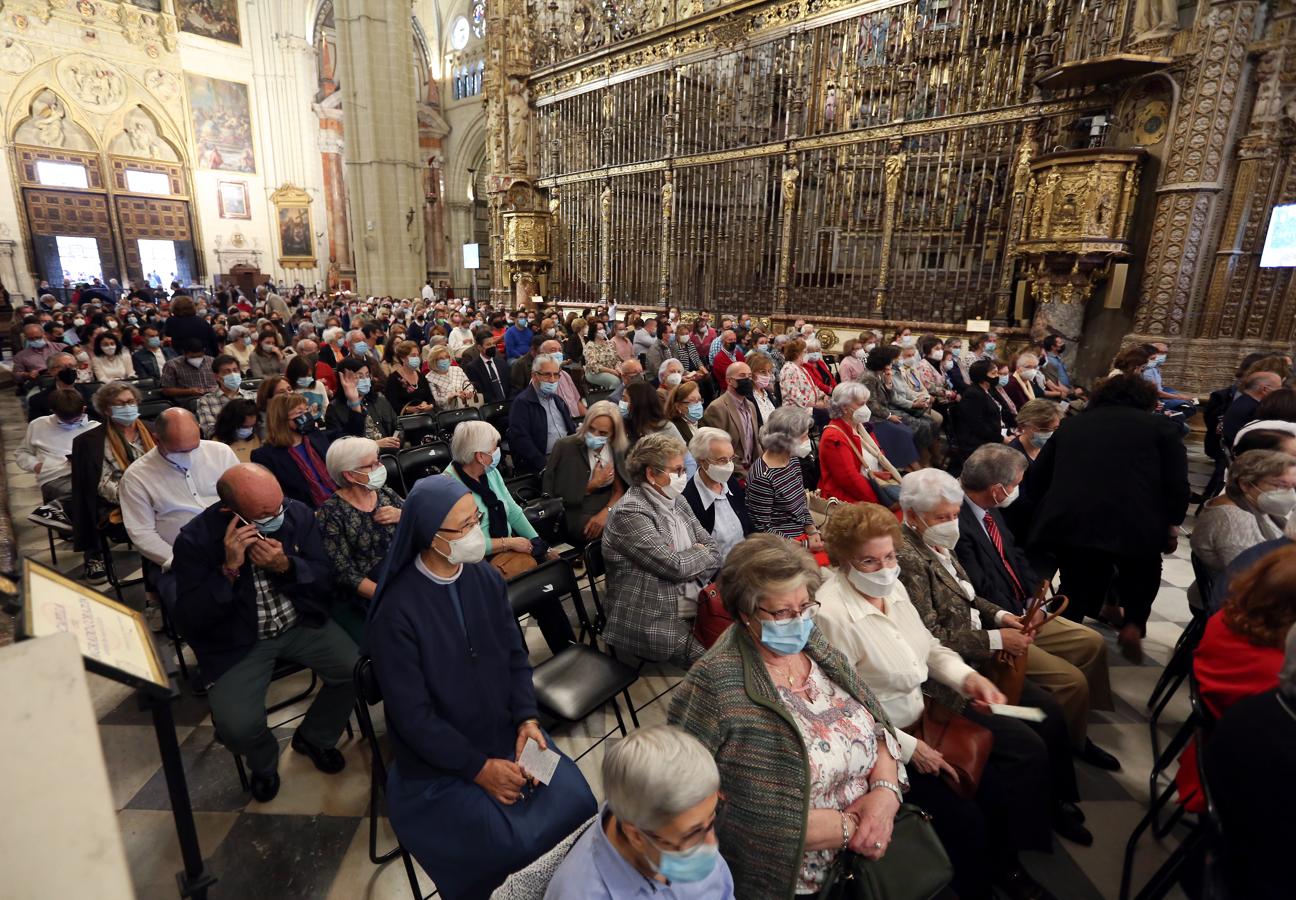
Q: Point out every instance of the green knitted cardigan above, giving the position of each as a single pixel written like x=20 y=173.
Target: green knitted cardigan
x=729 y=703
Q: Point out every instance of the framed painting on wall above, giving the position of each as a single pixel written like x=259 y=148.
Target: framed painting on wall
x=232 y=198
x=216 y=19
x=222 y=123
x=292 y=216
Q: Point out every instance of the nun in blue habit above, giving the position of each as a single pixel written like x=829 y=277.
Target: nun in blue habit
x=456 y=685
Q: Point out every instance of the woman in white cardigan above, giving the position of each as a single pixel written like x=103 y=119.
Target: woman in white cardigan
x=110 y=361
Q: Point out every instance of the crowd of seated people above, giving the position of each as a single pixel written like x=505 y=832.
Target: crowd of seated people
x=874 y=520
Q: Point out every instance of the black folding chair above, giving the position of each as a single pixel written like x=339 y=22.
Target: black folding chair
x=369 y=693
x=1179 y=666
x=525 y=488
x=150 y=409
x=392 y=465
x=578 y=679
x=449 y=419
x=596 y=569
x=420 y=462
x=419 y=428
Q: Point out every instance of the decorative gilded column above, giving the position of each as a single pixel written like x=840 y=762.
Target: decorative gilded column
x=605 y=243
x=894 y=171
x=384 y=167
x=667 y=218
x=790 y=179
x=1022 y=196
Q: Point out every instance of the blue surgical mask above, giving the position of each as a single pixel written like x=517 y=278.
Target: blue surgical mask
x=73 y=425
x=363 y=385
x=1040 y=438
x=787 y=637
x=306 y=381
x=495 y=459
x=695 y=411
x=624 y=407
x=688 y=866
x=990 y=346
x=548 y=388
x=37 y=344
x=154 y=343
x=1003 y=381
x=521 y=322
x=443 y=365
x=244 y=433
x=270 y=525
x=125 y=414
x=813 y=357
x=360 y=349
x=181 y=459
x=595 y=441
x=557 y=357
x=232 y=381
x=247 y=342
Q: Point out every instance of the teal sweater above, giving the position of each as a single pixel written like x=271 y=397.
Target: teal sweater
x=728 y=702
x=517 y=520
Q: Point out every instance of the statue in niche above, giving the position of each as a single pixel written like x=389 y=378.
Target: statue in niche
x=48 y=126
x=1155 y=18
x=517 y=102
x=14 y=57
x=140 y=138
x=830 y=106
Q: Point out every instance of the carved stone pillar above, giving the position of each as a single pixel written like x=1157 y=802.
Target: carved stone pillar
x=9 y=273
x=1188 y=196
x=383 y=164
x=340 y=270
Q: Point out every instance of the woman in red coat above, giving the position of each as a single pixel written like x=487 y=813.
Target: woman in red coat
x=847 y=451
x=814 y=365
x=1242 y=650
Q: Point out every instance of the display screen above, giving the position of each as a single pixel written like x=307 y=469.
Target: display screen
x=472 y=258
x=1280 y=243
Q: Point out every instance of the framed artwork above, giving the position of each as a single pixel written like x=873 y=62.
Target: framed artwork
x=221 y=114
x=216 y=19
x=232 y=197
x=296 y=239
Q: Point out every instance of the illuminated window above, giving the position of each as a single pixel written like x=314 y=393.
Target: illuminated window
x=459 y=33
x=147 y=182
x=78 y=257
x=59 y=174
x=479 y=19
x=1280 y=243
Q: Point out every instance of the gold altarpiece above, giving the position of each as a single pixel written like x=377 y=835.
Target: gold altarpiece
x=923 y=162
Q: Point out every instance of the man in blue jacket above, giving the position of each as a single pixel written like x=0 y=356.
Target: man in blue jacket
x=517 y=340
x=252 y=587
x=538 y=417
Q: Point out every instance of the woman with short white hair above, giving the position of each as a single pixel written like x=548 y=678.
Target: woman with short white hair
x=815 y=367
x=659 y=823
x=852 y=467
x=356 y=525
x=238 y=344
x=1023 y=386
x=715 y=492
x=776 y=494
x=512 y=544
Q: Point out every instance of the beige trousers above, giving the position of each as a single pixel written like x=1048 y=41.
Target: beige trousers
x=1069 y=661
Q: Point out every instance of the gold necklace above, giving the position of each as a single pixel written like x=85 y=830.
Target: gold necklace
x=786 y=673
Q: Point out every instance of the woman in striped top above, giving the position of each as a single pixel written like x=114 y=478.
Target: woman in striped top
x=776 y=496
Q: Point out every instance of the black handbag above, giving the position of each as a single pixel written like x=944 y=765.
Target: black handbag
x=915 y=866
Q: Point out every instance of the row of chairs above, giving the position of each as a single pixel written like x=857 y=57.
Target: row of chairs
x=577 y=679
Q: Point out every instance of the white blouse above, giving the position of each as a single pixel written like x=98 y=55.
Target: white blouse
x=893 y=651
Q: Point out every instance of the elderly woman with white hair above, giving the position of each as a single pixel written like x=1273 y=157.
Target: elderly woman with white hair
x=669 y=376
x=512 y=544
x=820 y=375
x=1024 y=383
x=356 y=525
x=852 y=467
x=658 y=825
x=658 y=557
x=238 y=344
x=449 y=383
x=715 y=492
x=776 y=493
x=587 y=470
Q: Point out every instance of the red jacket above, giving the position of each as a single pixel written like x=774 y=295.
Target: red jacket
x=327 y=374
x=820 y=376
x=721 y=365
x=1229 y=668
x=839 y=465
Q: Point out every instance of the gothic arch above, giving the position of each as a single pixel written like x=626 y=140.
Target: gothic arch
x=39 y=90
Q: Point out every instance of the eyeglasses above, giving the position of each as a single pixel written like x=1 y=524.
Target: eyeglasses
x=468 y=526
x=693 y=838
x=722 y=460
x=809 y=611
x=889 y=561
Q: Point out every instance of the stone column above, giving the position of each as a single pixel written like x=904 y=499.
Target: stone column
x=383 y=166
x=1188 y=198
x=341 y=266
x=9 y=273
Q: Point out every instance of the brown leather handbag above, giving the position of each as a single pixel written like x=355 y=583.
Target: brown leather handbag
x=965 y=745
x=512 y=563
x=1008 y=672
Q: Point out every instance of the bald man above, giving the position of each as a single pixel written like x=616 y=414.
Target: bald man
x=736 y=413
x=631 y=371
x=252 y=585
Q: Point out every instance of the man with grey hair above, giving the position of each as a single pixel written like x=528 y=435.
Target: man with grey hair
x=538 y=417
x=656 y=833
x=567 y=390
x=631 y=371
x=1068 y=659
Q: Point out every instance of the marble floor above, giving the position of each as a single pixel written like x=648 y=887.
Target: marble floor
x=311 y=841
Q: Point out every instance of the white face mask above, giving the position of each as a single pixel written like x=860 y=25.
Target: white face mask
x=1029 y=374
x=1011 y=498
x=944 y=535
x=802 y=450
x=1278 y=502
x=862 y=415
x=377 y=478
x=874 y=584
x=859 y=353
x=674 y=487
x=720 y=473
x=674 y=378
x=470 y=548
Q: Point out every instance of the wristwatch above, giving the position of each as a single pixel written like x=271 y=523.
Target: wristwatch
x=890 y=786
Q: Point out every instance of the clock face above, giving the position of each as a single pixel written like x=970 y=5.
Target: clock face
x=459 y=33
x=1150 y=125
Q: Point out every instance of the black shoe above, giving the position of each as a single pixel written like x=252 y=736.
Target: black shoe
x=1068 y=822
x=1097 y=756
x=1017 y=884
x=328 y=760
x=51 y=515
x=265 y=787
x=95 y=572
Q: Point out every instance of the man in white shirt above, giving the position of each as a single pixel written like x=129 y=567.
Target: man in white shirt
x=48 y=444
x=175 y=481
x=460 y=338
x=427 y=293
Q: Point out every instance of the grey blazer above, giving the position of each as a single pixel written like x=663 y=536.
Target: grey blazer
x=643 y=579
x=567 y=474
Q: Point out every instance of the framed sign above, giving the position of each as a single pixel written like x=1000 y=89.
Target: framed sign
x=115 y=640
x=293 y=220
x=232 y=198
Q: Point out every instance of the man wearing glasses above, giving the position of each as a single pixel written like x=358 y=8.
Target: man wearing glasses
x=538 y=417
x=655 y=837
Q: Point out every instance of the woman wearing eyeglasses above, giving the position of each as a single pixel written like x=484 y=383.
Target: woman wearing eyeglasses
x=459 y=703
x=809 y=764
x=658 y=558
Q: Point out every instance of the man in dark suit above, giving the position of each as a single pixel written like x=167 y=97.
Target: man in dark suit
x=520 y=368
x=1112 y=485
x=150 y=358
x=253 y=589
x=976 y=416
x=538 y=418
x=486 y=370
x=1067 y=659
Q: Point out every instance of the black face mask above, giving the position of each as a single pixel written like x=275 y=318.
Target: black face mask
x=303 y=424
x=743 y=387
x=67 y=376
x=489 y=352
